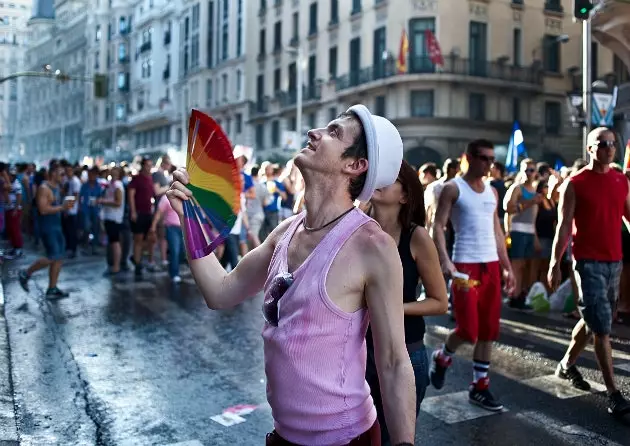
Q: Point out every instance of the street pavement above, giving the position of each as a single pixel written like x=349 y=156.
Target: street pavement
x=147 y=363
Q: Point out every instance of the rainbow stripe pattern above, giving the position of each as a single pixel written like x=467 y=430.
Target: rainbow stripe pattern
x=216 y=185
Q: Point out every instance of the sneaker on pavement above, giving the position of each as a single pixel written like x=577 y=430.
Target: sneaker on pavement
x=573 y=375
x=479 y=395
x=23 y=277
x=617 y=404
x=439 y=365
x=56 y=293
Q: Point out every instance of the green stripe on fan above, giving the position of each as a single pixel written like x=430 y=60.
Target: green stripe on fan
x=212 y=200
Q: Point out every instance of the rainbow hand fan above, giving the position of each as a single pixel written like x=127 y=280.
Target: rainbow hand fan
x=216 y=185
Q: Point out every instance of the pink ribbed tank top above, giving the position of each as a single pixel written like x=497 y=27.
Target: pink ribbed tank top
x=315 y=357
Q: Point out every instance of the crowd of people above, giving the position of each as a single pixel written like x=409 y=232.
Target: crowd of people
x=344 y=326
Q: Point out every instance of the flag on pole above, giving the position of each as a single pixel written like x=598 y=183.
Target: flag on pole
x=433 y=47
x=558 y=165
x=401 y=64
x=626 y=160
x=516 y=148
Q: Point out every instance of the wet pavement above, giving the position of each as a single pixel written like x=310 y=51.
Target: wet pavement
x=146 y=363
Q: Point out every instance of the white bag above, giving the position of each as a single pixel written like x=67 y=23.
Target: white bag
x=559 y=298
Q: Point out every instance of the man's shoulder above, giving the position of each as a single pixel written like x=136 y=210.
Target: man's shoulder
x=372 y=242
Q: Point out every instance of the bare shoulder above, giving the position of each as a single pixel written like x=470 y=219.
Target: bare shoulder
x=276 y=235
x=421 y=238
x=377 y=249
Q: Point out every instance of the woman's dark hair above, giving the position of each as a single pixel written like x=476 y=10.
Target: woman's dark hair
x=541 y=185
x=411 y=212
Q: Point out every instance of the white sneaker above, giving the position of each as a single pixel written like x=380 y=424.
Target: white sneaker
x=177 y=279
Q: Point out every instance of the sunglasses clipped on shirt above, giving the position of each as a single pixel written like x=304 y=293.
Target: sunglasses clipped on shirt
x=271 y=308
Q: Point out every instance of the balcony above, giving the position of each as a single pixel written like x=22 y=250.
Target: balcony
x=294 y=42
x=123 y=60
x=165 y=112
x=452 y=66
x=167 y=38
x=552 y=6
x=309 y=93
x=258 y=108
x=146 y=46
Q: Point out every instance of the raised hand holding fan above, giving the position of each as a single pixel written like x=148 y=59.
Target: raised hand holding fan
x=216 y=185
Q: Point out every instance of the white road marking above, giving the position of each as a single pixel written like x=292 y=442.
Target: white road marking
x=561 y=388
x=186 y=443
x=625 y=366
x=454 y=408
x=569 y=433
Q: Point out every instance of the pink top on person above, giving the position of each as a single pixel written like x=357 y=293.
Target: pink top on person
x=315 y=358
x=170 y=216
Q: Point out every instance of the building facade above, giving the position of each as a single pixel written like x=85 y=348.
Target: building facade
x=51 y=112
x=14 y=37
x=503 y=61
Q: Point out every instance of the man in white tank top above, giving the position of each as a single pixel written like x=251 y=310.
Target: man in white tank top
x=479 y=253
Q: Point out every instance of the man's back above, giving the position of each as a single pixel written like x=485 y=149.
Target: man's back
x=599 y=208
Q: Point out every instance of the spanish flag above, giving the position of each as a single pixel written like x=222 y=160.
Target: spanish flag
x=402 y=55
x=626 y=160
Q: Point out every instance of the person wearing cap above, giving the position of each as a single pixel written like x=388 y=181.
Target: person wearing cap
x=326 y=273
x=479 y=253
x=592 y=205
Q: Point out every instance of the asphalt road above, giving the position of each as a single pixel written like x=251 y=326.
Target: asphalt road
x=146 y=363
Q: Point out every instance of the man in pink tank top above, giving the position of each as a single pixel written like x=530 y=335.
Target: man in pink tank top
x=326 y=274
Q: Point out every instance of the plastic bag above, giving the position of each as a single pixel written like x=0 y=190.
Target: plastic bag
x=537 y=298
x=562 y=299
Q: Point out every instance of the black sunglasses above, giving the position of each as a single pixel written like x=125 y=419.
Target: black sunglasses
x=279 y=285
x=530 y=170
x=487 y=159
x=604 y=144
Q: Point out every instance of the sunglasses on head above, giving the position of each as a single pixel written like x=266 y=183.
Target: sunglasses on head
x=606 y=144
x=271 y=308
x=487 y=159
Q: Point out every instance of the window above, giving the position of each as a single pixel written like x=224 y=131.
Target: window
x=332 y=113
x=260 y=136
x=379 y=52
x=477 y=106
x=210 y=40
x=551 y=48
x=275 y=133
x=194 y=51
x=277 y=80
x=516 y=109
x=122 y=25
x=332 y=62
x=379 y=106
x=312 y=19
x=620 y=70
x=239 y=85
x=261 y=42
x=312 y=69
x=478 y=48
x=516 y=47
x=422 y=103
x=97 y=34
x=296 y=25
x=334 y=12
x=224 y=32
x=356 y=7
x=355 y=61
x=195 y=17
x=311 y=120
x=209 y=93
x=277 y=37
x=239 y=123
x=260 y=87
x=292 y=77
x=553 y=117
x=225 y=86
x=122 y=52
x=120 y=112
x=419 y=60
x=239 y=30
x=121 y=81
x=97 y=60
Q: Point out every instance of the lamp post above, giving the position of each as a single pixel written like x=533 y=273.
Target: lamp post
x=586 y=84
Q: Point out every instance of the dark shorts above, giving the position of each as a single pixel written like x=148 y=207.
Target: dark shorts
x=142 y=225
x=598 y=285
x=113 y=231
x=54 y=243
x=545 y=248
x=625 y=246
x=522 y=245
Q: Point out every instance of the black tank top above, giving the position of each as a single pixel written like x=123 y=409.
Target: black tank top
x=414 y=325
x=545 y=221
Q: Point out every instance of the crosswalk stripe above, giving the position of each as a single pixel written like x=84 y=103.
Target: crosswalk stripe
x=560 y=388
x=570 y=433
x=454 y=408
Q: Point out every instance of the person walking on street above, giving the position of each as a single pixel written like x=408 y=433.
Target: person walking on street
x=141 y=192
x=316 y=309
x=113 y=211
x=592 y=205
x=50 y=205
x=479 y=253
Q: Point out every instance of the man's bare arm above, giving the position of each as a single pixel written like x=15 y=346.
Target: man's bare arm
x=221 y=290
x=384 y=296
x=449 y=195
x=500 y=238
x=44 y=202
x=566 y=210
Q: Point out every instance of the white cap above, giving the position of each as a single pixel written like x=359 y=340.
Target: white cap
x=385 y=151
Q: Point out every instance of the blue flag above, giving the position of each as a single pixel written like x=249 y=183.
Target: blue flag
x=559 y=165
x=516 y=148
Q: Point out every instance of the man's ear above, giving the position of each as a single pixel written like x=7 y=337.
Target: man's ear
x=356 y=166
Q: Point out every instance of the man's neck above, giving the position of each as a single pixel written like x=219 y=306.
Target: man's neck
x=324 y=203
x=598 y=167
x=472 y=179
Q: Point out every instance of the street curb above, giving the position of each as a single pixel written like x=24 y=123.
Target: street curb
x=8 y=426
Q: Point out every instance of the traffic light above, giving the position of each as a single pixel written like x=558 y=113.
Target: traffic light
x=100 y=86
x=582 y=9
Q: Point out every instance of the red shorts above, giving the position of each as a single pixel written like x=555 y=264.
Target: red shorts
x=478 y=308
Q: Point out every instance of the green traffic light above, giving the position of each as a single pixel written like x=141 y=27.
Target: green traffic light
x=583 y=10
